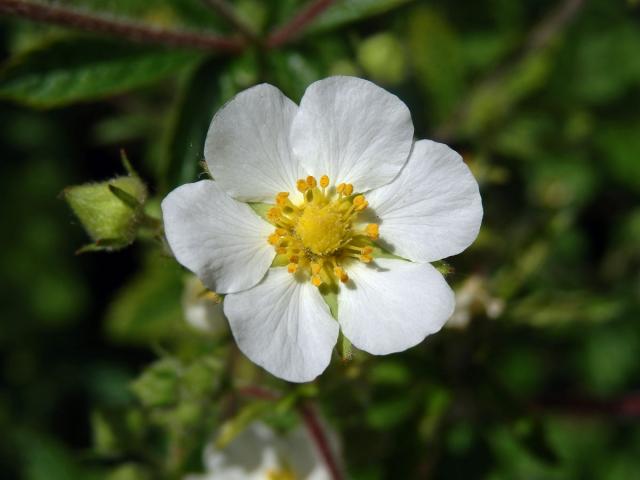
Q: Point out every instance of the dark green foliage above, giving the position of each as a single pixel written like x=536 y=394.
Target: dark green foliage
x=536 y=377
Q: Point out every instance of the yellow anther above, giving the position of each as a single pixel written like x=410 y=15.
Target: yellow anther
x=348 y=189
x=281 y=198
x=316 y=280
x=211 y=296
x=281 y=250
x=341 y=274
x=324 y=181
x=365 y=258
x=292 y=267
x=315 y=268
x=311 y=181
x=366 y=250
x=340 y=188
x=373 y=231
x=294 y=259
x=274 y=212
x=302 y=186
x=360 y=203
x=274 y=238
x=281 y=231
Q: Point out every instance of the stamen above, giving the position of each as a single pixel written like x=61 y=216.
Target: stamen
x=274 y=238
x=341 y=274
x=311 y=181
x=302 y=186
x=292 y=267
x=360 y=203
x=324 y=181
x=340 y=188
x=373 y=231
x=366 y=258
x=316 y=280
x=348 y=189
x=274 y=213
x=282 y=198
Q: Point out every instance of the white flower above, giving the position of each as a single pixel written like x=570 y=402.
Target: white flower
x=473 y=297
x=258 y=453
x=314 y=162
x=202 y=308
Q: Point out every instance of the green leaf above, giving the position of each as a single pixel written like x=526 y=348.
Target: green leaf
x=164 y=14
x=209 y=85
x=604 y=65
x=348 y=11
x=386 y=414
x=293 y=72
x=438 y=60
x=48 y=459
x=619 y=146
x=158 y=385
x=184 y=150
x=69 y=70
x=148 y=308
x=382 y=57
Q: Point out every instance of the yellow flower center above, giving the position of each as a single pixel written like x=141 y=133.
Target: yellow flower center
x=318 y=235
x=322 y=229
x=280 y=474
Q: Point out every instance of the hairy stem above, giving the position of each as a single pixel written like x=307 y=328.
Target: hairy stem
x=298 y=23
x=136 y=32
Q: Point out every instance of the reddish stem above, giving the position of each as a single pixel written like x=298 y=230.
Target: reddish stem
x=298 y=23
x=72 y=18
x=310 y=418
x=255 y=391
x=627 y=406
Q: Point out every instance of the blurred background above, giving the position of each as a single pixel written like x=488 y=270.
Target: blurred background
x=537 y=375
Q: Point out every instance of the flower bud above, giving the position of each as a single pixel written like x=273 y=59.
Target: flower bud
x=109 y=211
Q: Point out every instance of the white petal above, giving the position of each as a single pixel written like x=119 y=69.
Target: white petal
x=283 y=325
x=353 y=131
x=202 y=312
x=392 y=305
x=249 y=455
x=299 y=450
x=247 y=147
x=218 y=238
x=433 y=209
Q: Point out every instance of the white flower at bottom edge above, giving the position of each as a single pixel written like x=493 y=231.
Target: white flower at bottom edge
x=259 y=453
x=202 y=308
x=344 y=175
